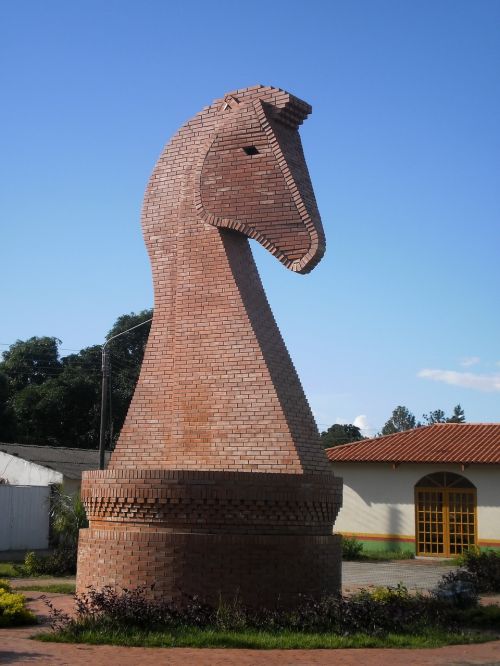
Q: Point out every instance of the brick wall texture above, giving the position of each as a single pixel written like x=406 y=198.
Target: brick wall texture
x=218 y=482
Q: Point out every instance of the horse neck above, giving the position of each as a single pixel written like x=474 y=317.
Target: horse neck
x=217 y=388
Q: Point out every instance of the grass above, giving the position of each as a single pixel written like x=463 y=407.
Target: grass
x=385 y=555
x=10 y=570
x=482 y=617
x=15 y=570
x=59 y=588
x=259 y=640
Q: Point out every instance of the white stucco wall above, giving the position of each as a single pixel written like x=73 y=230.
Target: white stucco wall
x=379 y=500
x=19 y=472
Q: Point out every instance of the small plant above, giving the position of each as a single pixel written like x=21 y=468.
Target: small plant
x=387 y=594
x=352 y=549
x=67 y=518
x=479 y=573
x=230 y=615
x=458 y=588
x=5 y=586
x=378 y=613
x=13 y=611
x=61 y=562
x=32 y=564
x=485 y=567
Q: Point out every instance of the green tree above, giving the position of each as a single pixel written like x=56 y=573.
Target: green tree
x=48 y=400
x=63 y=411
x=7 y=416
x=437 y=416
x=31 y=362
x=340 y=433
x=402 y=419
x=458 y=415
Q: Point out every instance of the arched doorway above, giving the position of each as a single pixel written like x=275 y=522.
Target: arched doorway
x=445 y=514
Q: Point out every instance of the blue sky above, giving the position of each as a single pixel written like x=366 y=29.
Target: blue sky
x=403 y=147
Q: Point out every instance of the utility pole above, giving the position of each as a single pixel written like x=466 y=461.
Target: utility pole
x=104 y=405
x=105 y=389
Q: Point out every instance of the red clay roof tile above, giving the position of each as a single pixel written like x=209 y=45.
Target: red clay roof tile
x=439 y=443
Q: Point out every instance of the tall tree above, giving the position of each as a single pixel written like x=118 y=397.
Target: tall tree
x=48 y=400
x=7 y=416
x=437 y=416
x=340 y=433
x=401 y=419
x=31 y=362
x=458 y=415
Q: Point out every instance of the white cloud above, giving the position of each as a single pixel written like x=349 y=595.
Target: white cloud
x=361 y=422
x=470 y=380
x=467 y=361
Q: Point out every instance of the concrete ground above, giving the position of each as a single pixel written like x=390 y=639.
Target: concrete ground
x=17 y=648
x=419 y=575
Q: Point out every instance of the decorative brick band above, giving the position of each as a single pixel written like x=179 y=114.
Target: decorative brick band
x=214 y=502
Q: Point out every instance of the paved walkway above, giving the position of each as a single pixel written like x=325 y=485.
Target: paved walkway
x=415 y=574
x=421 y=575
x=17 y=648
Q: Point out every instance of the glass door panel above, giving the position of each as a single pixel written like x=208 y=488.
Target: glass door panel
x=445 y=520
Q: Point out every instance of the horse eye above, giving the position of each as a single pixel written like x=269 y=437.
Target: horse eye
x=251 y=150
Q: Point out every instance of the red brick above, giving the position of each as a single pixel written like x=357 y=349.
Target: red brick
x=218 y=480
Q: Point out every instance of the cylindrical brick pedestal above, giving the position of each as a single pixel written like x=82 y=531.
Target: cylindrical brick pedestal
x=263 y=537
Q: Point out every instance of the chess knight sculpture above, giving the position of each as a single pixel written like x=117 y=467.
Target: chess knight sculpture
x=218 y=484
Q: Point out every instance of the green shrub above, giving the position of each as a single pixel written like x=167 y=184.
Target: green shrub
x=387 y=594
x=61 y=562
x=32 y=564
x=479 y=573
x=376 y=613
x=485 y=567
x=4 y=585
x=67 y=518
x=352 y=549
x=13 y=611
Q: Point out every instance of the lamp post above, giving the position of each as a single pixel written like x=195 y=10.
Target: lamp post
x=105 y=388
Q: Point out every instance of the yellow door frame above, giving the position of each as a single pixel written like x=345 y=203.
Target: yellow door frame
x=445 y=517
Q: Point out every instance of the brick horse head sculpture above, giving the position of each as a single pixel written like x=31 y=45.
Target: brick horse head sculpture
x=218 y=484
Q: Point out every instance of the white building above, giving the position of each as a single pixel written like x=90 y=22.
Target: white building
x=27 y=475
x=434 y=490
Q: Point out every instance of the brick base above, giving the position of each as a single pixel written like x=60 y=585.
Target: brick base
x=265 y=537
x=261 y=570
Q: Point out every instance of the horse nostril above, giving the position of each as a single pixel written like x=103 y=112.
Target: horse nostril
x=251 y=150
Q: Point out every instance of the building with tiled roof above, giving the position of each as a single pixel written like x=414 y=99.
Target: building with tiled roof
x=434 y=489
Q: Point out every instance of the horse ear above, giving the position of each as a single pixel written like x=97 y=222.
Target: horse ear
x=230 y=102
